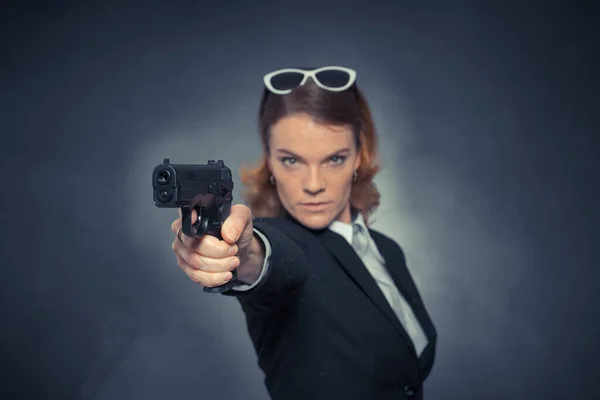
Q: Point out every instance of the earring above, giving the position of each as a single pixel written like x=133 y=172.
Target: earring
x=272 y=180
x=354 y=176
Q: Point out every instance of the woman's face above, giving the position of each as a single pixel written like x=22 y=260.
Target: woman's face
x=313 y=166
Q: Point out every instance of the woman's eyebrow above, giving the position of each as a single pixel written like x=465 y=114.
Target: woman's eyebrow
x=291 y=153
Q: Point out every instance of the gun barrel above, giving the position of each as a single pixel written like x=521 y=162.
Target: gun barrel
x=177 y=184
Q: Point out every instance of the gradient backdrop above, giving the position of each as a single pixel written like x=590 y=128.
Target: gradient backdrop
x=487 y=115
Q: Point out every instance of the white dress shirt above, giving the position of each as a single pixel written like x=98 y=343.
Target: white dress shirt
x=357 y=235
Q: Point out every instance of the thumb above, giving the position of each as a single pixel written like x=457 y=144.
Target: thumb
x=234 y=226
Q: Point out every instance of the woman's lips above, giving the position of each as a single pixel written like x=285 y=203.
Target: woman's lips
x=315 y=207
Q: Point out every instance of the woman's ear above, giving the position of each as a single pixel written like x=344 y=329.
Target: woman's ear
x=358 y=154
x=268 y=162
x=357 y=161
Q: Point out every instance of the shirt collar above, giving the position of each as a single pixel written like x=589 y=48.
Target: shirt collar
x=343 y=229
x=346 y=231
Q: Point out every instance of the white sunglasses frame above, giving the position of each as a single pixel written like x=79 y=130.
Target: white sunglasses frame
x=310 y=74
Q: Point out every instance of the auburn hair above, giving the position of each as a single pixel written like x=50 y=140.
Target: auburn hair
x=347 y=108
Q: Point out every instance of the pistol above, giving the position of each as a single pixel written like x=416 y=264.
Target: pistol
x=206 y=188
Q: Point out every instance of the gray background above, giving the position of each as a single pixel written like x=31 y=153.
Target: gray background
x=487 y=114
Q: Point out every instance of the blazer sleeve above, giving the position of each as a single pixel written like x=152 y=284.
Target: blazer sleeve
x=285 y=271
x=266 y=264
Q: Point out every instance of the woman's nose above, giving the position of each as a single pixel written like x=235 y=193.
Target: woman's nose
x=314 y=182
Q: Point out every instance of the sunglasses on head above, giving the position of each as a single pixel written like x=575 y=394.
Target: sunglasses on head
x=335 y=79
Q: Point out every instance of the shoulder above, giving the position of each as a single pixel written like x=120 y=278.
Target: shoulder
x=283 y=227
x=281 y=223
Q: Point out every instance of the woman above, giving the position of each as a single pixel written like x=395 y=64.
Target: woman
x=330 y=305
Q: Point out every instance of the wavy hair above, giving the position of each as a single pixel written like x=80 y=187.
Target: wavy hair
x=347 y=108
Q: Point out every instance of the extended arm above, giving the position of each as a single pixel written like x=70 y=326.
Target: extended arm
x=275 y=271
x=253 y=271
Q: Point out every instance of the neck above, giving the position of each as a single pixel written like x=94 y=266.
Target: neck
x=346 y=215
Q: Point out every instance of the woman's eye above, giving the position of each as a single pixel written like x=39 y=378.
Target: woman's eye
x=338 y=159
x=288 y=160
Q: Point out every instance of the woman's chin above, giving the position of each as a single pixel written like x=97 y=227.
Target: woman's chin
x=316 y=221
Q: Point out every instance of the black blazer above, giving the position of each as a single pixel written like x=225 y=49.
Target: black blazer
x=321 y=327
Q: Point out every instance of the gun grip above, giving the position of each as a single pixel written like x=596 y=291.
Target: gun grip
x=204 y=226
x=224 y=287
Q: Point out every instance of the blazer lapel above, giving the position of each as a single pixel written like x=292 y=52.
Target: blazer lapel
x=394 y=264
x=353 y=265
x=401 y=277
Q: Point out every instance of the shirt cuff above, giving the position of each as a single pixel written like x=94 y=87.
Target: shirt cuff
x=244 y=287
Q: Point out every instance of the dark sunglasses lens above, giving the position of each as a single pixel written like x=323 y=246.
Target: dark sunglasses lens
x=287 y=80
x=333 y=78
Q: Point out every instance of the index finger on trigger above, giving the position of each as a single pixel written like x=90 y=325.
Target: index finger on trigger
x=194 y=215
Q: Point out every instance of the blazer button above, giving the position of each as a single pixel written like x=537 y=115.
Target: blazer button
x=410 y=392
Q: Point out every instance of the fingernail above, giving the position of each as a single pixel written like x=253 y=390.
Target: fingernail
x=227 y=276
x=233 y=235
x=233 y=250
x=233 y=263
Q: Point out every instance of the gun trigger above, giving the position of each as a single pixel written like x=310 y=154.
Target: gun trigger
x=198 y=221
